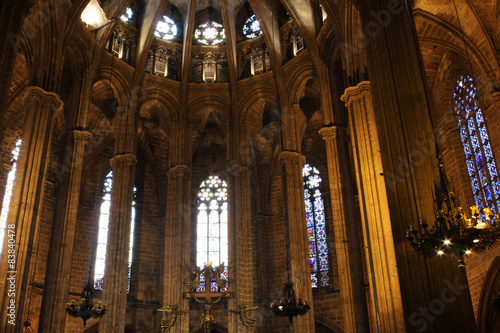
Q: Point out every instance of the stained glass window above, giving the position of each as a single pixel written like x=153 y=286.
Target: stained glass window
x=131 y=244
x=476 y=143
x=251 y=28
x=102 y=239
x=210 y=33
x=316 y=233
x=8 y=192
x=166 y=28
x=212 y=237
x=128 y=16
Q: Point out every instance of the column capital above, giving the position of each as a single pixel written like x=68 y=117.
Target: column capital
x=80 y=135
x=180 y=170
x=290 y=156
x=238 y=170
x=37 y=94
x=356 y=92
x=124 y=159
x=329 y=132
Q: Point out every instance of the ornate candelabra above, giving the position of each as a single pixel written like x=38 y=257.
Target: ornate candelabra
x=453 y=232
x=288 y=305
x=86 y=308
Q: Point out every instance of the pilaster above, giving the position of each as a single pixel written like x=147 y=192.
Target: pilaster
x=347 y=246
x=296 y=234
x=114 y=290
x=242 y=245
x=177 y=236
x=55 y=293
x=386 y=304
x=27 y=197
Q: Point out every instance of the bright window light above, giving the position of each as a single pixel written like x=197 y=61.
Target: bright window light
x=93 y=16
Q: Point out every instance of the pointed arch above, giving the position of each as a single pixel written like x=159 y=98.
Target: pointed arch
x=212 y=246
x=481 y=164
x=316 y=228
x=102 y=239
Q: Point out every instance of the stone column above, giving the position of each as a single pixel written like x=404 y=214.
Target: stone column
x=386 y=305
x=57 y=276
x=114 y=290
x=242 y=245
x=296 y=234
x=347 y=245
x=27 y=197
x=177 y=236
x=407 y=141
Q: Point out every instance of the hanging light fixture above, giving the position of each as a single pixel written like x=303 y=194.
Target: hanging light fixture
x=86 y=308
x=288 y=306
x=453 y=231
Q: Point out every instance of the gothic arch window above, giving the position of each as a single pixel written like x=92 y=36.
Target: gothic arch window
x=102 y=239
x=8 y=192
x=131 y=243
x=476 y=144
x=316 y=229
x=212 y=228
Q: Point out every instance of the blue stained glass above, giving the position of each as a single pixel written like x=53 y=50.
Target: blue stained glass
x=224 y=276
x=312 y=261
x=314 y=280
x=98 y=283
x=310 y=234
x=308 y=206
x=128 y=16
x=476 y=144
x=324 y=264
x=325 y=279
x=251 y=28
x=310 y=220
x=320 y=219
x=312 y=247
x=318 y=204
x=201 y=285
x=316 y=234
